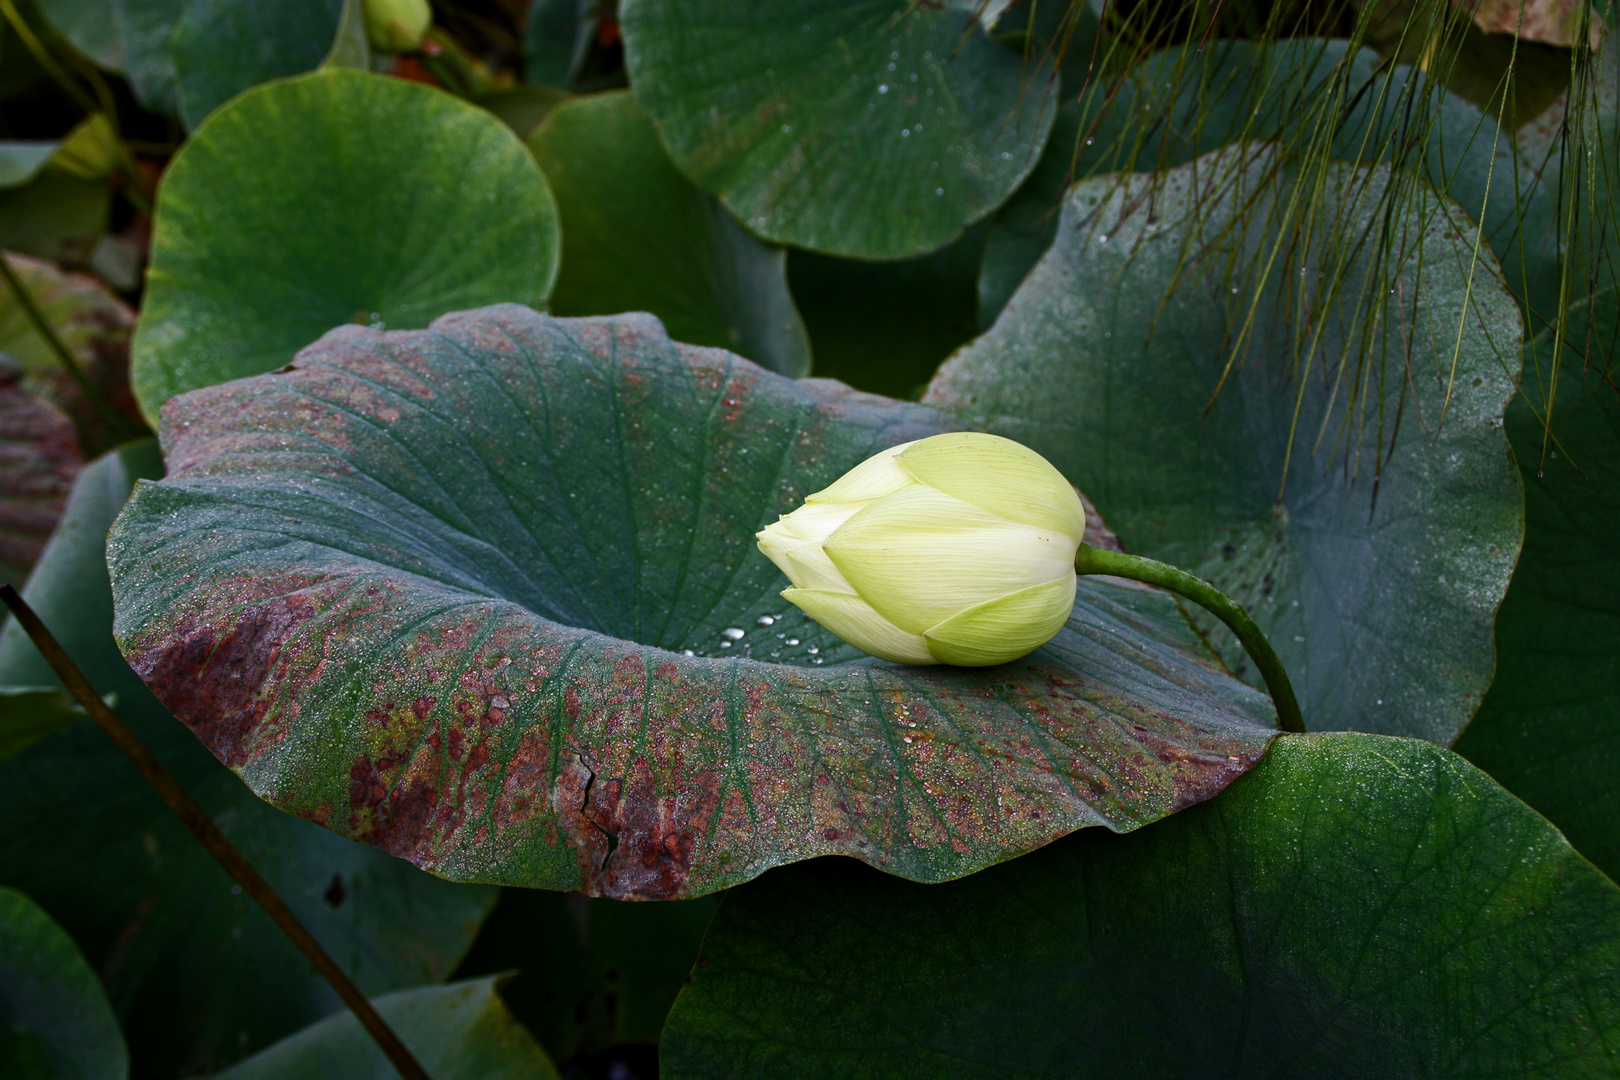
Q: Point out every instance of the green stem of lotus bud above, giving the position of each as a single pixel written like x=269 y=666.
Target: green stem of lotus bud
x=1092 y=560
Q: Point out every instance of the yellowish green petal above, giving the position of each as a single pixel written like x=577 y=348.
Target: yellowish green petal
x=775 y=541
x=814 y=522
x=920 y=556
x=1003 y=629
x=873 y=478
x=1004 y=477
x=852 y=619
x=809 y=568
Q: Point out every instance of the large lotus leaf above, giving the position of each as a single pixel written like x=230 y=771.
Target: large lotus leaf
x=593 y=974
x=1346 y=480
x=1305 y=92
x=870 y=128
x=170 y=933
x=55 y=1020
x=1550 y=727
x=1356 y=907
x=456 y=1032
x=331 y=198
x=488 y=597
x=639 y=236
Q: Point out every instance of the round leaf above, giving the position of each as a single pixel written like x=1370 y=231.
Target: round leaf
x=1358 y=906
x=870 y=128
x=164 y=924
x=55 y=1020
x=489 y=597
x=330 y=198
x=1550 y=727
x=638 y=236
x=1346 y=479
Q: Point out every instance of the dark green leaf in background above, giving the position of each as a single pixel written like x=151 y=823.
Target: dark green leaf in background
x=55 y=1021
x=169 y=932
x=489 y=598
x=1549 y=730
x=868 y=128
x=885 y=327
x=639 y=236
x=557 y=38
x=1356 y=907
x=1374 y=388
x=222 y=47
x=331 y=198
x=90 y=25
x=145 y=28
x=456 y=1032
x=521 y=108
x=1314 y=95
x=592 y=973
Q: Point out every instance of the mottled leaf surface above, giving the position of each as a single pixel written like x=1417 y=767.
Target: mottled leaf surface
x=1347 y=480
x=639 y=236
x=85 y=315
x=55 y=1021
x=869 y=128
x=1549 y=729
x=167 y=929
x=332 y=198
x=456 y=1032
x=488 y=597
x=1357 y=906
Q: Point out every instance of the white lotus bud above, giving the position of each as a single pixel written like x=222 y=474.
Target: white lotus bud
x=955 y=549
x=396 y=26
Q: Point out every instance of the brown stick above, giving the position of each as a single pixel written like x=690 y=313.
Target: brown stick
x=204 y=829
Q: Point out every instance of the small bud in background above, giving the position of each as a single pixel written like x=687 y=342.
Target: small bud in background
x=955 y=549
x=396 y=26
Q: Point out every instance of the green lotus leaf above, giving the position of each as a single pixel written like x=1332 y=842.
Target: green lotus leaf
x=1549 y=729
x=331 y=198
x=869 y=128
x=456 y=1032
x=170 y=933
x=1346 y=478
x=1357 y=906
x=1187 y=101
x=639 y=236
x=55 y=1020
x=488 y=597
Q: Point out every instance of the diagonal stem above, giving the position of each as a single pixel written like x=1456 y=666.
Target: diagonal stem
x=1091 y=560
x=204 y=829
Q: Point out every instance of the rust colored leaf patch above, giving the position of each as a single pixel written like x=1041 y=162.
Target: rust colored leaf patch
x=39 y=457
x=486 y=596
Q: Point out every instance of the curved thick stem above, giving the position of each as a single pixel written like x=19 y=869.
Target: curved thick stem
x=1092 y=560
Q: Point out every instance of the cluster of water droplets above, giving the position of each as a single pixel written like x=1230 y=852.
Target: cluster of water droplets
x=771 y=637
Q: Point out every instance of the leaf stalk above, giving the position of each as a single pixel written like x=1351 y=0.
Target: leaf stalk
x=1093 y=560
